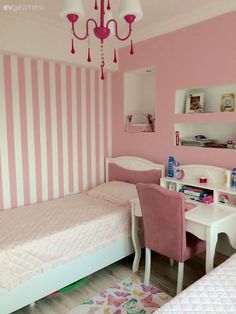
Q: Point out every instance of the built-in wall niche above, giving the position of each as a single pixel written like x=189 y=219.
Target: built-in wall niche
x=212 y=97
x=206 y=117
x=216 y=134
x=139 y=100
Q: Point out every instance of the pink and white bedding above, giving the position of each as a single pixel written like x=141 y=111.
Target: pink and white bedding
x=36 y=238
x=213 y=293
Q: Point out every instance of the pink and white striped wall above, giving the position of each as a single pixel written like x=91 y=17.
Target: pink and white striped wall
x=55 y=122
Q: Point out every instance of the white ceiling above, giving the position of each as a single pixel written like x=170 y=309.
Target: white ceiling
x=154 y=10
x=160 y=16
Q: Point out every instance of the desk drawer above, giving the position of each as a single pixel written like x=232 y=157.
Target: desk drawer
x=197 y=229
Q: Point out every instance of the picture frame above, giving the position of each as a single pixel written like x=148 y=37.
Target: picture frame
x=227 y=102
x=194 y=103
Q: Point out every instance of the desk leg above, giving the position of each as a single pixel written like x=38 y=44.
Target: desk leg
x=137 y=248
x=211 y=240
x=232 y=238
x=230 y=231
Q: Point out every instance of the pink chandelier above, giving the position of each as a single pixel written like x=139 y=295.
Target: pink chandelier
x=130 y=11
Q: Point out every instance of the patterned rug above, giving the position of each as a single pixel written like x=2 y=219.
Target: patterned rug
x=129 y=296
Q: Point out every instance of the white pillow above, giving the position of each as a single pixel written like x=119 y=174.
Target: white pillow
x=116 y=192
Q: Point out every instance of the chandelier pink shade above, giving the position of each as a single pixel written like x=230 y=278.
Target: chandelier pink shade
x=130 y=11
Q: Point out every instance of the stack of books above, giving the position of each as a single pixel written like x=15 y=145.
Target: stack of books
x=197 y=194
x=192 y=141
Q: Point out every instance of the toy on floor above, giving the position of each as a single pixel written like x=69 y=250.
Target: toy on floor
x=72 y=286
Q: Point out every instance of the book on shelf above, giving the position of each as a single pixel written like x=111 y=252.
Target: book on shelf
x=192 y=193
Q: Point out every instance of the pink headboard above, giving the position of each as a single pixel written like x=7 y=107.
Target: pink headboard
x=133 y=170
x=117 y=173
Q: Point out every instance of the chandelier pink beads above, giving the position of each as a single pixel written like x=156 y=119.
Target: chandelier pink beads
x=130 y=11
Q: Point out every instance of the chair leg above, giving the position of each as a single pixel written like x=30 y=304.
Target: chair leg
x=180 y=277
x=171 y=262
x=147 y=266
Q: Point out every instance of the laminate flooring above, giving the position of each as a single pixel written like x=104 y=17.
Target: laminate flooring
x=163 y=275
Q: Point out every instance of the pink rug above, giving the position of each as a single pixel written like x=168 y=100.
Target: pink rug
x=129 y=296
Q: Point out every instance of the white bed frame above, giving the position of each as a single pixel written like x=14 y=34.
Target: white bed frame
x=134 y=163
x=53 y=280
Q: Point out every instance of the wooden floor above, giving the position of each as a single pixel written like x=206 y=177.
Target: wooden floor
x=163 y=276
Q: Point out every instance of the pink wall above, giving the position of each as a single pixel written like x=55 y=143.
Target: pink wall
x=55 y=132
x=197 y=56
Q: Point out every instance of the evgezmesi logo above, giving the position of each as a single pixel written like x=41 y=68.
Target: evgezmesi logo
x=22 y=7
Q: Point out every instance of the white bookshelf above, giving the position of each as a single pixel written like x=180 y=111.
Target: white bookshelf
x=216 y=183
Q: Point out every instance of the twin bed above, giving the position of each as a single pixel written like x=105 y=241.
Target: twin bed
x=49 y=245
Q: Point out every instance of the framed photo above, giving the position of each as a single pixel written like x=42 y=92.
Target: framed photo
x=227 y=102
x=194 y=103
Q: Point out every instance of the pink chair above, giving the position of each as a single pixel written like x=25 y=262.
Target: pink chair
x=163 y=214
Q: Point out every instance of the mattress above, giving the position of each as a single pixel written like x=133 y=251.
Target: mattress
x=35 y=238
x=213 y=293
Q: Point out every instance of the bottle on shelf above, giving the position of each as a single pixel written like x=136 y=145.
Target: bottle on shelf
x=233 y=178
x=171 y=166
x=227 y=178
x=177 y=138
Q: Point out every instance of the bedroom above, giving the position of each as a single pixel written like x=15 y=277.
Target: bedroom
x=50 y=149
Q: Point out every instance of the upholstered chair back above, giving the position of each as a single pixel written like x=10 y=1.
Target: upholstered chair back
x=163 y=214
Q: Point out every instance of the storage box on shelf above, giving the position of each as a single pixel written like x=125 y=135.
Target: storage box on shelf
x=214 y=124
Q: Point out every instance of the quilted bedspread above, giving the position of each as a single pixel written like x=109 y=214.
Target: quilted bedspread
x=38 y=237
x=213 y=293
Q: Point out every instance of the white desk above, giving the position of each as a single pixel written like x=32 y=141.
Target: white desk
x=204 y=221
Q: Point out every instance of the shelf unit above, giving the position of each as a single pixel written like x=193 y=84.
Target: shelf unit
x=216 y=183
x=212 y=123
x=217 y=190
